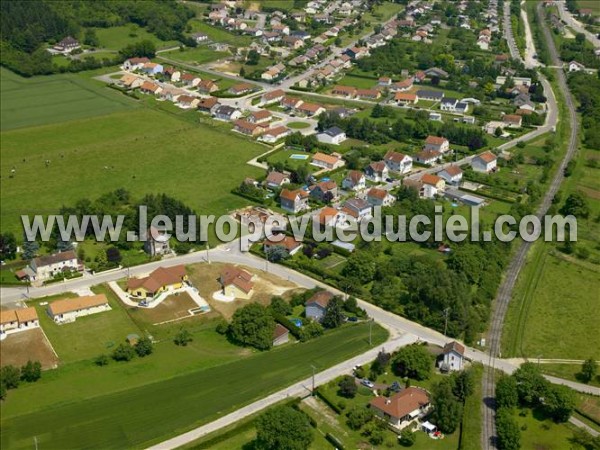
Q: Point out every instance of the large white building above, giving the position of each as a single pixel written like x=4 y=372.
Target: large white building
x=45 y=267
x=69 y=309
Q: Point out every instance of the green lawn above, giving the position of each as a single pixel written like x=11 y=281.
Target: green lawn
x=358 y=82
x=472 y=421
x=568 y=372
x=115 y=38
x=198 y=55
x=121 y=419
x=218 y=34
x=298 y=125
x=27 y=102
x=540 y=433
x=143 y=151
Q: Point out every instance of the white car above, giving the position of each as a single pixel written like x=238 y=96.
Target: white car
x=367 y=383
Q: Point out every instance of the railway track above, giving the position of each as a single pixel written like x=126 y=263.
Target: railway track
x=504 y=295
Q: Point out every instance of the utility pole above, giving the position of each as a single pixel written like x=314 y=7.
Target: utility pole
x=312 y=392
x=35 y=442
x=207 y=254
x=370 y=332
x=446 y=312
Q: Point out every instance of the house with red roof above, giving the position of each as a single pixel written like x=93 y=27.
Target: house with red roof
x=437 y=143
x=403 y=408
x=317 y=305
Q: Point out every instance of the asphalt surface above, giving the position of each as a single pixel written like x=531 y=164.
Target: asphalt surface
x=506 y=288
x=568 y=18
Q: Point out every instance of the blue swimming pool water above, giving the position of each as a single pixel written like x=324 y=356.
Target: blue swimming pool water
x=298 y=156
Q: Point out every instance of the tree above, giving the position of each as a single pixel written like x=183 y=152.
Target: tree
x=276 y=253
x=8 y=246
x=447 y=409
x=463 y=384
x=90 y=38
x=283 y=428
x=347 y=387
x=30 y=249
x=253 y=58
x=360 y=266
x=101 y=360
x=531 y=385
x=506 y=392
x=589 y=369
x=138 y=49
x=580 y=38
x=280 y=306
x=253 y=325
x=408 y=437
x=358 y=417
x=144 y=347
x=242 y=72
x=31 y=372
x=311 y=329
x=577 y=205
x=123 y=352
x=101 y=259
x=381 y=362
x=498 y=132
x=334 y=315
x=10 y=376
x=183 y=338
x=559 y=402
x=113 y=255
x=507 y=430
x=413 y=361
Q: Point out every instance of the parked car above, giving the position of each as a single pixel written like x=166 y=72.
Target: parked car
x=367 y=383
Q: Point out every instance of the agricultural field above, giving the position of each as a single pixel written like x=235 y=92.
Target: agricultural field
x=95 y=409
x=57 y=98
x=197 y=164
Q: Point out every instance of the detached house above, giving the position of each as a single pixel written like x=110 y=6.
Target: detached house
x=207 y=86
x=454 y=356
x=404 y=98
x=317 y=305
x=276 y=179
x=152 y=68
x=272 y=97
x=44 y=267
x=484 y=162
x=291 y=245
x=398 y=162
x=428 y=157
x=190 y=80
x=357 y=208
x=241 y=88
x=294 y=201
x=436 y=143
x=512 y=120
x=451 y=174
x=248 y=128
x=69 y=309
x=272 y=135
x=325 y=191
x=333 y=136
x=228 y=113
x=377 y=171
x=18 y=319
x=380 y=197
x=135 y=63
x=329 y=162
x=67 y=45
x=432 y=185
x=148 y=87
x=355 y=181
x=310 y=109
x=403 y=408
x=236 y=282
x=163 y=279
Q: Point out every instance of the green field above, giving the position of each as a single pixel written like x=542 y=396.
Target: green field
x=298 y=125
x=216 y=34
x=198 y=55
x=142 y=150
x=45 y=100
x=358 y=82
x=538 y=432
x=121 y=419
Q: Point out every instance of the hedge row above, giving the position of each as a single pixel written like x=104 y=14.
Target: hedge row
x=327 y=401
x=281 y=319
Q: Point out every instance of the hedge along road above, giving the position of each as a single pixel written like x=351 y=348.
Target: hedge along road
x=150 y=413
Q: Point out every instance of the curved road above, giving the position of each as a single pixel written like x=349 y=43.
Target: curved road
x=567 y=17
x=506 y=288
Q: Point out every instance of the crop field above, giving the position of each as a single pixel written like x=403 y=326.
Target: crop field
x=120 y=419
x=141 y=150
x=52 y=99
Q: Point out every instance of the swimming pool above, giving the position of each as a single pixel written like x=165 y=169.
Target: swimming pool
x=298 y=156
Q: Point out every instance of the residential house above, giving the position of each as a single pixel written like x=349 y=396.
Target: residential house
x=293 y=201
x=404 y=98
x=449 y=104
x=317 y=305
x=333 y=136
x=330 y=217
x=357 y=208
x=275 y=180
x=228 y=113
x=403 y=408
x=432 y=185
x=329 y=162
x=281 y=335
x=398 y=162
x=453 y=357
x=272 y=135
x=355 y=180
x=18 y=319
x=131 y=81
x=369 y=94
x=384 y=81
x=436 y=143
x=236 y=282
x=517 y=81
x=148 y=87
x=437 y=72
x=451 y=174
x=344 y=91
x=200 y=38
x=69 y=309
x=512 y=120
x=163 y=279
x=293 y=42
x=380 y=197
x=135 y=63
x=484 y=162
x=310 y=109
x=261 y=116
x=151 y=68
x=207 y=86
x=157 y=242
x=272 y=97
x=291 y=245
x=402 y=86
x=207 y=104
x=574 y=66
x=187 y=101
x=190 y=80
x=67 y=45
x=357 y=52
x=241 y=88
x=377 y=171
x=248 y=128
x=45 y=267
x=325 y=191
x=428 y=157
x=288 y=102
x=431 y=96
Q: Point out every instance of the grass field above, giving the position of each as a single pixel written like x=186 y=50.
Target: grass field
x=471 y=423
x=568 y=372
x=540 y=433
x=143 y=151
x=45 y=100
x=115 y=38
x=198 y=55
x=216 y=34
x=121 y=419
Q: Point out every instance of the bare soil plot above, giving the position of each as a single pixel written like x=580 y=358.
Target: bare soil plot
x=173 y=307
x=32 y=344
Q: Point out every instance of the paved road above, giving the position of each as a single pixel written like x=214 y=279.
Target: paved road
x=568 y=18
x=506 y=288
x=530 y=61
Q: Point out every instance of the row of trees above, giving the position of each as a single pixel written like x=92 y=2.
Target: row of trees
x=126 y=352
x=586 y=89
x=11 y=376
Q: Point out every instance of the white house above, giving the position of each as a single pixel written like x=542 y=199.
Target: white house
x=454 y=356
x=20 y=319
x=355 y=180
x=333 y=135
x=45 y=267
x=135 y=63
x=403 y=408
x=377 y=171
x=451 y=174
x=484 y=162
x=398 y=162
x=330 y=162
x=357 y=208
x=69 y=309
x=380 y=197
x=437 y=144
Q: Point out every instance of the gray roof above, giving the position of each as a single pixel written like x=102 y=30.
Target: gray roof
x=334 y=131
x=448 y=100
x=430 y=94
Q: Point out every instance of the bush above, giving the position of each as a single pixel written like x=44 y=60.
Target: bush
x=183 y=338
x=407 y=437
x=347 y=387
x=123 y=352
x=10 y=376
x=31 y=372
x=101 y=360
x=222 y=327
x=144 y=347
